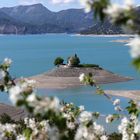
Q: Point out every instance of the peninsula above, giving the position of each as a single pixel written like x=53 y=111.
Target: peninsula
x=67 y=75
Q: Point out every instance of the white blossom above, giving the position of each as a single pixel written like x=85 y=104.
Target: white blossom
x=31 y=123
x=91 y=132
x=20 y=137
x=87 y=5
x=116 y=102
x=124 y=123
x=117 y=108
x=128 y=3
x=127 y=128
x=81 y=108
x=70 y=125
x=109 y=118
x=137 y=128
x=2 y=74
x=30 y=82
x=81 y=133
x=14 y=94
x=7 y=128
x=67 y=116
x=104 y=137
x=7 y=61
x=47 y=104
x=134 y=47
x=31 y=98
x=113 y=10
x=85 y=116
x=81 y=77
x=98 y=129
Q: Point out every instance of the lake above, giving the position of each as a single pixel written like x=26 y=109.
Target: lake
x=34 y=54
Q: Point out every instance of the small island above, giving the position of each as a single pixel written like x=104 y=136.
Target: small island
x=67 y=75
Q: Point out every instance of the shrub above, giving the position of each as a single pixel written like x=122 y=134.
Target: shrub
x=89 y=66
x=58 y=61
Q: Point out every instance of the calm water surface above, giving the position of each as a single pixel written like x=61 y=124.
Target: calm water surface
x=32 y=55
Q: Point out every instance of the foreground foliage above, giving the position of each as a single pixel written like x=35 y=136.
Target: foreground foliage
x=50 y=119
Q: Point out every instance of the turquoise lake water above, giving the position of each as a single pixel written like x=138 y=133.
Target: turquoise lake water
x=34 y=54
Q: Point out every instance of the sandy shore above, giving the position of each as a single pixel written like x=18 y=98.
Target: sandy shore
x=115 y=35
x=121 y=41
x=131 y=94
x=17 y=114
x=69 y=77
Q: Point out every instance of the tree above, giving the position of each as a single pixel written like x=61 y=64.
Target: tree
x=73 y=60
x=58 y=61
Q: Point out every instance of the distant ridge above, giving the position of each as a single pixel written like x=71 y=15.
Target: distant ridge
x=37 y=19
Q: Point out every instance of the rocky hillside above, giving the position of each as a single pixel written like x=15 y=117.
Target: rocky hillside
x=37 y=19
x=103 y=28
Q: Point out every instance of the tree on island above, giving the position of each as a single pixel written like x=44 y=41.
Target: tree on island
x=73 y=60
x=58 y=61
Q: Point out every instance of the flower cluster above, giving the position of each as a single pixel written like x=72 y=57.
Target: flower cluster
x=116 y=12
x=16 y=92
x=87 y=4
x=129 y=128
x=130 y=125
x=49 y=119
x=134 y=47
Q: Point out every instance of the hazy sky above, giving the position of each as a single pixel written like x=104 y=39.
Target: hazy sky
x=54 y=5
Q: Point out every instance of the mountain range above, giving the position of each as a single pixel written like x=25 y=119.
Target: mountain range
x=37 y=19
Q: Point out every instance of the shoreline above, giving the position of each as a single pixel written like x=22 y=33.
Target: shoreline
x=61 y=78
x=120 y=41
x=73 y=34
x=17 y=113
x=130 y=94
x=104 y=35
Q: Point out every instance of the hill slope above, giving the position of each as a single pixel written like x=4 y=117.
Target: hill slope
x=37 y=19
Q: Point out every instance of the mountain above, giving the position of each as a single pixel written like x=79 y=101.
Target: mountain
x=37 y=19
x=8 y=25
x=71 y=20
x=103 y=28
x=74 y=20
x=35 y=14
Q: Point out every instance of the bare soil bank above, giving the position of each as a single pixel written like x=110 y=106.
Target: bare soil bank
x=69 y=77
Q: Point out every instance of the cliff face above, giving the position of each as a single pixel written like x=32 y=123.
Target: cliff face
x=11 y=29
x=103 y=28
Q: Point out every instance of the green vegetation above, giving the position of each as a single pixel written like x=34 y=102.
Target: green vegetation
x=58 y=61
x=74 y=60
x=115 y=136
x=89 y=66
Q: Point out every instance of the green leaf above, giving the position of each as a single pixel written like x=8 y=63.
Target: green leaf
x=20 y=102
x=27 y=133
x=98 y=7
x=136 y=63
x=4 y=118
x=133 y=108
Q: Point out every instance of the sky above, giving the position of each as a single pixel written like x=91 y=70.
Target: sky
x=54 y=5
